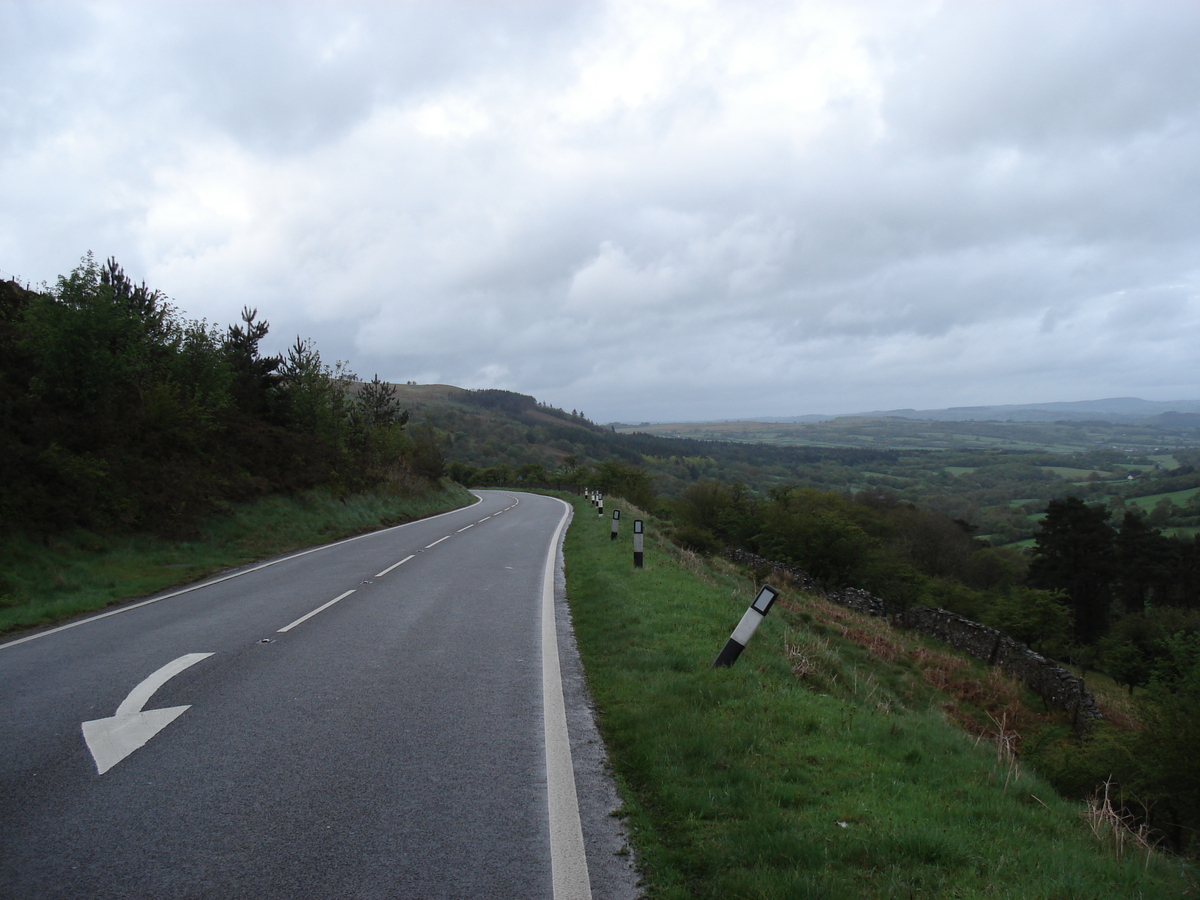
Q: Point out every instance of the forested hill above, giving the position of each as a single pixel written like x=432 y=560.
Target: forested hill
x=502 y=437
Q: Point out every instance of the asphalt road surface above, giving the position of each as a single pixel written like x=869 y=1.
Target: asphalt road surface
x=374 y=718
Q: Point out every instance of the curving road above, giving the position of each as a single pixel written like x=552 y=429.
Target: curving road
x=362 y=720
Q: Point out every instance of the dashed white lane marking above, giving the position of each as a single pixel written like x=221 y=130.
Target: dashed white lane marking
x=438 y=541
x=568 y=858
x=461 y=530
x=321 y=608
x=394 y=566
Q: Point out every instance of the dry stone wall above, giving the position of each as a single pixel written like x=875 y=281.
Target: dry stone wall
x=1047 y=679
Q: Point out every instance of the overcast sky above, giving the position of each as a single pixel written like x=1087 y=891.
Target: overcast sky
x=645 y=211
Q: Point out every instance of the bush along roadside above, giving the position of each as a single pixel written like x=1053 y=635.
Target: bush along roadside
x=48 y=581
x=834 y=759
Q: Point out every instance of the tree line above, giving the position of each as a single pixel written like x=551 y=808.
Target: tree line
x=116 y=411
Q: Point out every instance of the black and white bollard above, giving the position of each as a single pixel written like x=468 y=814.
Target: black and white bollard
x=637 y=543
x=616 y=524
x=600 y=506
x=745 y=629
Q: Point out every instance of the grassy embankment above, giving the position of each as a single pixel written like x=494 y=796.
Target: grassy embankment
x=825 y=763
x=46 y=582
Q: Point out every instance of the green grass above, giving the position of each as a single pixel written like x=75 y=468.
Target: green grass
x=1179 y=498
x=813 y=767
x=1167 y=461
x=1070 y=472
x=44 y=582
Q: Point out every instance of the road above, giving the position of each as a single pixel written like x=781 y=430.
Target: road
x=362 y=720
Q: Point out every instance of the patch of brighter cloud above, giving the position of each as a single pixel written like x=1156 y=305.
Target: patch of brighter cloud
x=452 y=117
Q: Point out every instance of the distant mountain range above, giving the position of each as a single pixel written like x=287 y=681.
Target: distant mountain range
x=1118 y=410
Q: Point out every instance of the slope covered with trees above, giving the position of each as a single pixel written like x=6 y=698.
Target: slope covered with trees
x=118 y=412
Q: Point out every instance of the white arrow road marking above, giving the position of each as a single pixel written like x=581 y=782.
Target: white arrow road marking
x=111 y=740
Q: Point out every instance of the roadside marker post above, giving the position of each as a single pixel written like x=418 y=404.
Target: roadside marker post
x=745 y=629
x=600 y=506
x=637 y=543
x=616 y=524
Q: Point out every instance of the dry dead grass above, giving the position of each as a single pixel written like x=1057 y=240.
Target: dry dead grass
x=1115 y=827
x=989 y=704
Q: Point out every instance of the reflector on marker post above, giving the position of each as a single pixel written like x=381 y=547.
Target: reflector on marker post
x=637 y=543
x=745 y=629
x=615 y=524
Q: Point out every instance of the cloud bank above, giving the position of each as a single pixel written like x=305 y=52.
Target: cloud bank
x=649 y=210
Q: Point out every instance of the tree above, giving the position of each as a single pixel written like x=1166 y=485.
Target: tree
x=1169 y=779
x=1142 y=565
x=1073 y=553
x=817 y=531
x=631 y=482
x=314 y=395
x=254 y=376
x=97 y=342
x=1040 y=619
x=376 y=406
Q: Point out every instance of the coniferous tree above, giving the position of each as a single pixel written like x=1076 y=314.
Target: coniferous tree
x=1074 y=553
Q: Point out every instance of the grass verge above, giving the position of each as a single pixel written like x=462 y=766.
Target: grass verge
x=825 y=763
x=44 y=582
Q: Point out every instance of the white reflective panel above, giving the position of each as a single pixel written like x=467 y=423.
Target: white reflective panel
x=764 y=599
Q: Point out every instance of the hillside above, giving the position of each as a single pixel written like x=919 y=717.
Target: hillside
x=837 y=758
x=998 y=477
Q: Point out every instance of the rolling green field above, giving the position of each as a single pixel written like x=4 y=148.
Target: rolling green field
x=918 y=434
x=1178 y=498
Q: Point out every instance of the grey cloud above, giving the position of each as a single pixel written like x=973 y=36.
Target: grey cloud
x=641 y=211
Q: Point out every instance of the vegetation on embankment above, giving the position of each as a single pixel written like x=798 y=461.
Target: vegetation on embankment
x=44 y=582
x=119 y=414
x=824 y=763
x=140 y=449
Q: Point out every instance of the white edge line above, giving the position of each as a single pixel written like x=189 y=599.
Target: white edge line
x=212 y=581
x=568 y=856
x=394 y=566
x=321 y=608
